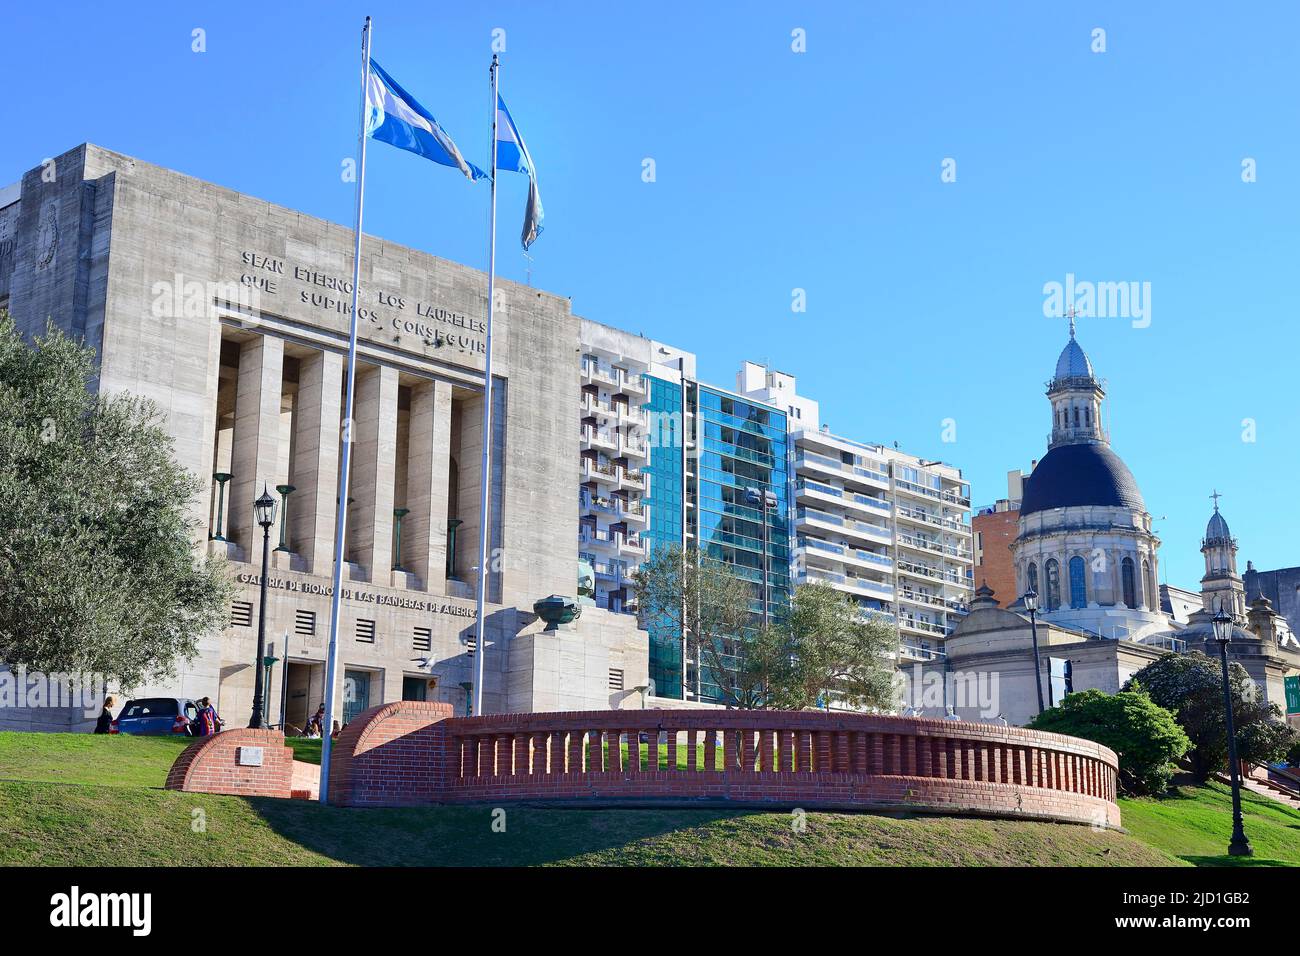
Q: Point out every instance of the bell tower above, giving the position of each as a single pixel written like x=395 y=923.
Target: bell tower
x=1076 y=396
x=1222 y=586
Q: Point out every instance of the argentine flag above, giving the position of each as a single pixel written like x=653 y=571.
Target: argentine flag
x=393 y=116
x=513 y=156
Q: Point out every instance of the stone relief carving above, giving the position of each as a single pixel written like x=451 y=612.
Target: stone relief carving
x=47 y=236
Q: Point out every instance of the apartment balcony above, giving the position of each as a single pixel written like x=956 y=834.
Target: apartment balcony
x=832 y=551
x=631 y=446
x=596 y=438
x=824 y=464
x=933 y=494
x=630 y=544
x=594 y=470
x=919 y=517
x=632 y=383
x=917 y=626
x=854 y=585
x=591 y=405
x=815 y=519
x=632 y=511
x=602 y=539
x=599 y=372
x=932 y=600
x=632 y=415
x=911 y=651
x=807 y=489
x=928 y=573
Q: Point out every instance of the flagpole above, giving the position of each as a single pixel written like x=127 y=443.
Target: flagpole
x=485 y=492
x=340 y=502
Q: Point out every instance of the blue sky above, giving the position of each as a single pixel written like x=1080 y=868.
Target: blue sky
x=820 y=170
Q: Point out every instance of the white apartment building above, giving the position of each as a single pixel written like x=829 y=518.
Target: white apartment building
x=614 y=438
x=890 y=529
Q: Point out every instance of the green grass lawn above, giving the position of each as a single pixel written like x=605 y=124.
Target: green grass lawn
x=1194 y=823
x=77 y=799
x=106 y=760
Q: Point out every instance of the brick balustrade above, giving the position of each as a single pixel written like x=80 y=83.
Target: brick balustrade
x=410 y=754
x=212 y=765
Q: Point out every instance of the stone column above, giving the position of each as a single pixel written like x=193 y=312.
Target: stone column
x=312 y=506
x=374 y=450
x=424 y=531
x=256 y=448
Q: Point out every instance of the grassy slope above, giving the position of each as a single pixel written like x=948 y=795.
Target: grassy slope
x=85 y=800
x=1194 y=824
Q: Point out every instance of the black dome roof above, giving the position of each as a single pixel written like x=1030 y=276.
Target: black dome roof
x=1086 y=474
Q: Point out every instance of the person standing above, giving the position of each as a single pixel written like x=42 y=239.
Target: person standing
x=208 y=721
x=104 y=725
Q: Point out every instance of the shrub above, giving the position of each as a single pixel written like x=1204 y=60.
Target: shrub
x=1146 y=737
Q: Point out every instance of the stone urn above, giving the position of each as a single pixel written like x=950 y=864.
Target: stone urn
x=556 y=610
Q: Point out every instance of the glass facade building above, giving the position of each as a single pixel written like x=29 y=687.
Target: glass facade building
x=708 y=448
x=740 y=445
x=665 y=497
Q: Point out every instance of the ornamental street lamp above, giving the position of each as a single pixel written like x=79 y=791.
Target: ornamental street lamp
x=1030 y=600
x=1239 y=845
x=264 y=509
x=766 y=500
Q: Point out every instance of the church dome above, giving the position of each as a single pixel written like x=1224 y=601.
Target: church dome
x=1073 y=363
x=1084 y=474
x=1217 y=529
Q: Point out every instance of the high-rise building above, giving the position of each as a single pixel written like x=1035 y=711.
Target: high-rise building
x=887 y=528
x=617 y=370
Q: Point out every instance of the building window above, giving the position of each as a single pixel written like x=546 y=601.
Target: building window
x=615 y=678
x=1078 y=590
x=241 y=614
x=304 y=623
x=1053 y=570
x=1126 y=580
x=365 y=632
x=1033 y=577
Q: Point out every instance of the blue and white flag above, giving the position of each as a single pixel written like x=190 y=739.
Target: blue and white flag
x=513 y=156
x=393 y=116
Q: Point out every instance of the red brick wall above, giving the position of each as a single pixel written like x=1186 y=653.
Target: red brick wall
x=210 y=765
x=390 y=755
x=998 y=532
x=406 y=754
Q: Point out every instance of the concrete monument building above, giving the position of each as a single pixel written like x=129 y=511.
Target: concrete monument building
x=231 y=314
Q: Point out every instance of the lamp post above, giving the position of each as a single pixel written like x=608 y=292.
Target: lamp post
x=1030 y=600
x=766 y=500
x=264 y=509
x=1239 y=845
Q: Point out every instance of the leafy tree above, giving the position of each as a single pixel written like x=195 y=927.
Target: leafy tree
x=1191 y=686
x=825 y=649
x=1146 y=737
x=98 y=571
x=687 y=592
